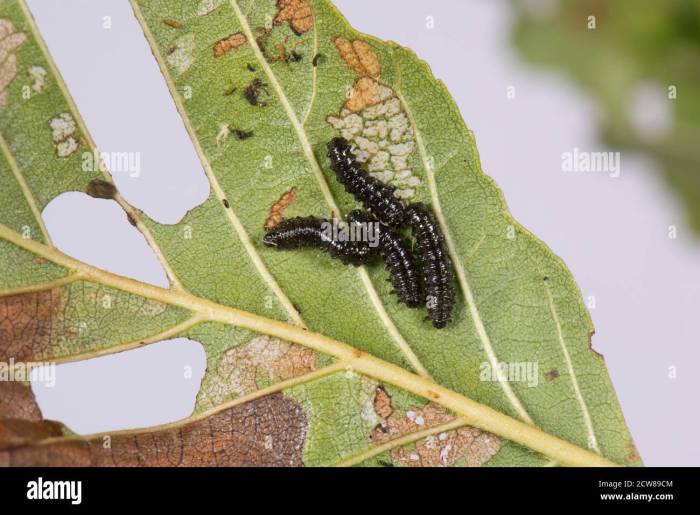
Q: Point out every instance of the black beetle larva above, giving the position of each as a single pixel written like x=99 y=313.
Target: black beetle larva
x=435 y=263
x=396 y=254
x=374 y=195
x=311 y=231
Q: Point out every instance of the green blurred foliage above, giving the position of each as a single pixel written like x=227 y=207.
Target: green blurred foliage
x=639 y=55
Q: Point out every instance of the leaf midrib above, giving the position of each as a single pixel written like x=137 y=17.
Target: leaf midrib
x=121 y=201
x=473 y=413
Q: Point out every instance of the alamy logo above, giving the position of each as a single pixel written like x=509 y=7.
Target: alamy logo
x=114 y=162
x=358 y=231
x=61 y=490
x=580 y=161
x=522 y=372
x=22 y=371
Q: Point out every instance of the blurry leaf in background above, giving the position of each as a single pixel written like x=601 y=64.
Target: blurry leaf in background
x=641 y=60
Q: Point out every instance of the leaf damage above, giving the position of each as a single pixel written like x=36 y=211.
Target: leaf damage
x=64 y=134
x=99 y=188
x=10 y=41
x=374 y=120
x=253 y=91
x=181 y=53
x=465 y=445
x=244 y=369
x=30 y=323
x=225 y=45
x=277 y=209
x=358 y=56
x=297 y=13
x=266 y=432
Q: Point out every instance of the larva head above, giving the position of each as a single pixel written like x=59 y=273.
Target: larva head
x=271 y=238
x=289 y=233
x=440 y=324
x=339 y=146
x=340 y=154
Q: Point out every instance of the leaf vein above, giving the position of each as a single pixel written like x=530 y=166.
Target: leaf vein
x=325 y=190
x=461 y=276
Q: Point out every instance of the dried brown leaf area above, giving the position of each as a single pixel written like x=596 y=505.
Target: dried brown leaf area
x=277 y=209
x=374 y=120
x=297 y=13
x=29 y=324
x=229 y=43
x=21 y=422
x=17 y=402
x=266 y=432
x=466 y=445
x=261 y=361
x=359 y=57
x=17 y=432
x=10 y=41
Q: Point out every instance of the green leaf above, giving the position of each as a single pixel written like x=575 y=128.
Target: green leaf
x=261 y=87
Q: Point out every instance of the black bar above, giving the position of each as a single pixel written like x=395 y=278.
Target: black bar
x=243 y=489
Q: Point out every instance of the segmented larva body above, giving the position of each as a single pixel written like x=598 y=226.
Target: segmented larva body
x=397 y=257
x=311 y=231
x=435 y=263
x=374 y=195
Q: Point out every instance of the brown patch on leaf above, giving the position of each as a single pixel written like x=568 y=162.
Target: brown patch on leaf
x=229 y=43
x=265 y=432
x=17 y=402
x=277 y=209
x=284 y=55
x=444 y=449
x=21 y=422
x=99 y=188
x=632 y=454
x=10 y=41
x=365 y=93
x=172 y=23
x=382 y=403
x=29 y=324
x=359 y=56
x=15 y=432
x=261 y=359
x=297 y=13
